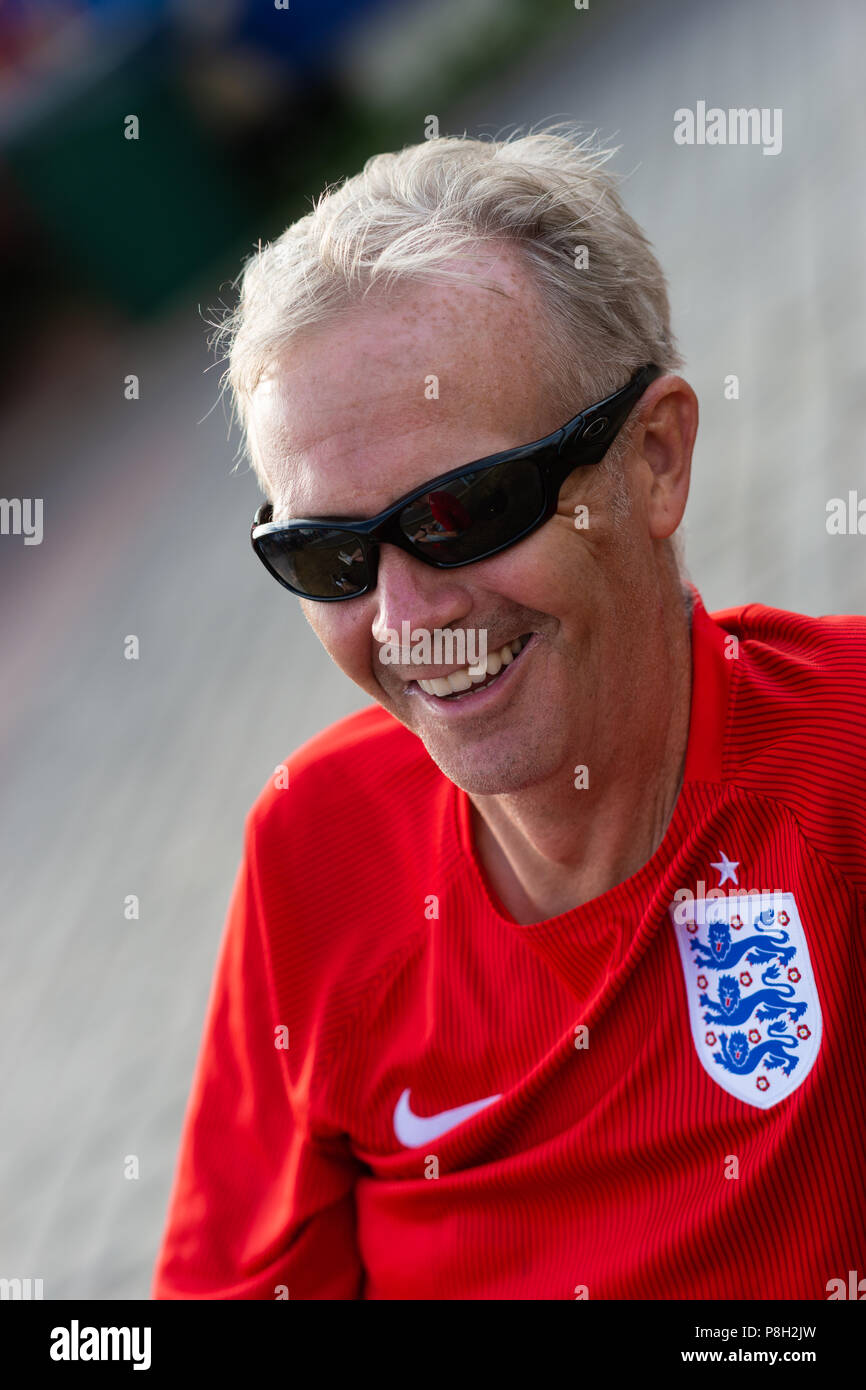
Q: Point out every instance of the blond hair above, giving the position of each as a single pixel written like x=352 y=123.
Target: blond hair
x=410 y=215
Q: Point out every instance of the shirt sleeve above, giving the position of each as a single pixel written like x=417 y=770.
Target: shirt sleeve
x=260 y=1208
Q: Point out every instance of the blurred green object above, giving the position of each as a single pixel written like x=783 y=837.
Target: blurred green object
x=132 y=220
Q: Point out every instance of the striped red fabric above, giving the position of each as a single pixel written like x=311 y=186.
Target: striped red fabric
x=362 y=924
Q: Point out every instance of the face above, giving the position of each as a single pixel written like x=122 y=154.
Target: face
x=346 y=422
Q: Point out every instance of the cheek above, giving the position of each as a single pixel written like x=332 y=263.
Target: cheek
x=545 y=572
x=345 y=636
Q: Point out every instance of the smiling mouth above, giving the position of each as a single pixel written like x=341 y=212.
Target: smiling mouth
x=461 y=685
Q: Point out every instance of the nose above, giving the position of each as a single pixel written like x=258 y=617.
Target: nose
x=409 y=591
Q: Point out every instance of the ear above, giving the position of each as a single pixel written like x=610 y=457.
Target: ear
x=663 y=441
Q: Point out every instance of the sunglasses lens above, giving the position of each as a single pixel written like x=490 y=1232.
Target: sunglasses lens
x=317 y=561
x=475 y=514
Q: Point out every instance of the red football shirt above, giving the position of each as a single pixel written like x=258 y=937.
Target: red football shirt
x=402 y=1093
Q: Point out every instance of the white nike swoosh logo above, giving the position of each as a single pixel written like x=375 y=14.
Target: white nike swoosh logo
x=415 y=1130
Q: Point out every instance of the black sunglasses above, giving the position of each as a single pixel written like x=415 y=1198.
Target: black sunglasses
x=462 y=516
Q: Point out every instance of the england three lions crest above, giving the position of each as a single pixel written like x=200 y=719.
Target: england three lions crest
x=753 y=1004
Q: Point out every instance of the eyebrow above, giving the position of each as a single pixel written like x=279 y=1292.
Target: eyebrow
x=337 y=518
x=343 y=519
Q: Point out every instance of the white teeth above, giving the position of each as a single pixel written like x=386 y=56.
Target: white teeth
x=459 y=681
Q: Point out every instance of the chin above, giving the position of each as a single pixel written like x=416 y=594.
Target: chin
x=480 y=775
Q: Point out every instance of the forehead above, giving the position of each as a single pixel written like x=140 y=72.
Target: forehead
x=401 y=389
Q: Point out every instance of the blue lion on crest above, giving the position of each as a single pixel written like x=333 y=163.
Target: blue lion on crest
x=721 y=952
x=730 y=1007
x=737 y=1056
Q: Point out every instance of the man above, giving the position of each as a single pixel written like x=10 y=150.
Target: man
x=544 y=981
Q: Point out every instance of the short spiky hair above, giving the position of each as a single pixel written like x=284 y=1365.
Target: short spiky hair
x=408 y=216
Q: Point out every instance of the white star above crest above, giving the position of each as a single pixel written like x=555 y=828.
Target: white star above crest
x=727 y=868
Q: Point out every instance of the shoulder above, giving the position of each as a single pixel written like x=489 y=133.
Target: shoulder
x=797 y=722
x=797 y=634
x=341 y=845
x=345 y=776
x=797 y=671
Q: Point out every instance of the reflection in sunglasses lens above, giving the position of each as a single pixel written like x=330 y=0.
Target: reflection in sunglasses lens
x=321 y=563
x=476 y=513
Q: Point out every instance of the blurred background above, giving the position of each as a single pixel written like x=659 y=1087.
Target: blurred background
x=134 y=777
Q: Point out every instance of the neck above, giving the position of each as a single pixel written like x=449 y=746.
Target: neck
x=551 y=847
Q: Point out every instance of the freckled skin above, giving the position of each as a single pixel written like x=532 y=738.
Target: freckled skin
x=342 y=427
